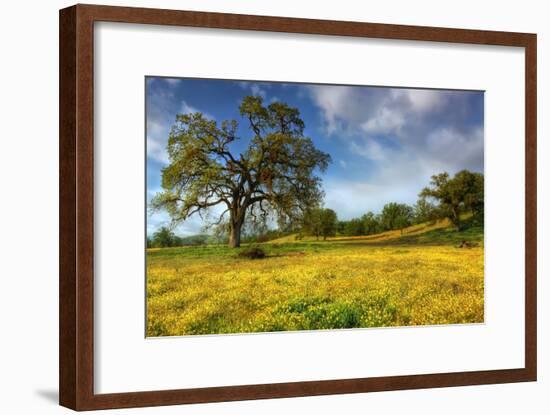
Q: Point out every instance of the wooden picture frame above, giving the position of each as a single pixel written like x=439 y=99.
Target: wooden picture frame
x=76 y=289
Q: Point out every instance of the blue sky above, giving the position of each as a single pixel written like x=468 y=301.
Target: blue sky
x=385 y=143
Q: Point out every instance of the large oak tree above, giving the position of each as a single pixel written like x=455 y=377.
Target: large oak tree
x=275 y=174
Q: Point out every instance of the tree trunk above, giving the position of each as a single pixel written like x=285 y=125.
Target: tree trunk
x=456 y=219
x=235 y=234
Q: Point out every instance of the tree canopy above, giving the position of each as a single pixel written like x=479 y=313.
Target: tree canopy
x=396 y=216
x=320 y=222
x=163 y=238
x=371 y=223
x=425 y=211
x=275 y=174
x=462 y=193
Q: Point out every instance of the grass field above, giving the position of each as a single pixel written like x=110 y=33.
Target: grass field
x=418 y=277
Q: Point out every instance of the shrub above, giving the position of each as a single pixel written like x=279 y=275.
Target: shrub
x=253 y=252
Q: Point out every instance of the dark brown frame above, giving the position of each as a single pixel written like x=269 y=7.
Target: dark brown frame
x=76 y=154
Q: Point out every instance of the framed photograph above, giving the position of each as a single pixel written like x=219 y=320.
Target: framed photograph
x=261 y=207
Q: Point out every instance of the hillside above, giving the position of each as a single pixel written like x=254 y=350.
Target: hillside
x=440 y=233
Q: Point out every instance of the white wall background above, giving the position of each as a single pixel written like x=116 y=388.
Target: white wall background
x=29 y=209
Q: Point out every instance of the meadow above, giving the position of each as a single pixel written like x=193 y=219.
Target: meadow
x=418 y=276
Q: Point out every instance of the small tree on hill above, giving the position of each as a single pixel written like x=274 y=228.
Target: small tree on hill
x=355 y=227
x=396 y=216
x=424 y=211
x=371 y=223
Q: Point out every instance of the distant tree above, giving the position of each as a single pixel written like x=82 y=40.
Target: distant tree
x=371 y=223
x=312 y=222
x=355 y=227
x=396 y=216
x=328 y=223
x=425 y=211
x=462 y=193
x=341 y=227
x=320 y=222
x=405 y=219
x=275 y=174
x=164 y=238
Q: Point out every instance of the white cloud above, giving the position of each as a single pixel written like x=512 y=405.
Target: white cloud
x=370 y=149
x=372 y=109
x=404 y=137
x=353 y=198
x=155 y=127
x=156 y=220
x=172 y=81
x=158 y=128
x=455 y=148
x=398 y=176
x=378 y=123
x=156 y=150
x=333 y=102
x=191 y=226
x=255 y=88
x=185 y=108
x=425 y=100
x=384 y=121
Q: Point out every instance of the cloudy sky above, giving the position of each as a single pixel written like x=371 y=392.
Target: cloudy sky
x=385 y=142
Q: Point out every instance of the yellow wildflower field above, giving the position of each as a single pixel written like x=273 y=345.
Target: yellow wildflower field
x=420 y=277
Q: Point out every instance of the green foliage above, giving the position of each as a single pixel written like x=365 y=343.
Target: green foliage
x=275 y=175
x=316 y=313
x=396 y=216
x=371 y=223
x=425 y=212
x=328 y=222
x=354 y=227
x=320 y=222
x=368 y=224
x=462 y=193
x=164 y=238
